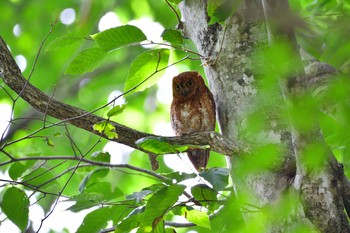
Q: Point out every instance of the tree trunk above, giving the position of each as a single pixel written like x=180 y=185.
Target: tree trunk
x=233 y=70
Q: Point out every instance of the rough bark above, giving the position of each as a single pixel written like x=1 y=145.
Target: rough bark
x=232 y=79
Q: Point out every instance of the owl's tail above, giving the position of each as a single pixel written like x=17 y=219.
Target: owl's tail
x=199 y=158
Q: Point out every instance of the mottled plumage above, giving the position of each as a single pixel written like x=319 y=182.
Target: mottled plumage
x=192 y=111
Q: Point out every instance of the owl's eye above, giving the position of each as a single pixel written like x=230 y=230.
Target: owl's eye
x=178 y=86
x=189 y=83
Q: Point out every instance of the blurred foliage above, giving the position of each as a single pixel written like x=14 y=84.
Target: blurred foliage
x=78 y=65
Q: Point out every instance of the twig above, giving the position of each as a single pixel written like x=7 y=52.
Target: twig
x=95 y=163
x=175 y=47
x=180 y=25
x=37 y=56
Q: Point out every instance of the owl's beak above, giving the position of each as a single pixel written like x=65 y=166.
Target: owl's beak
x=183 y=92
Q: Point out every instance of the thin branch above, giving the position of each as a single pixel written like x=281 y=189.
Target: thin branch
x=95 y=163
x=175 y=47
x=40 y=48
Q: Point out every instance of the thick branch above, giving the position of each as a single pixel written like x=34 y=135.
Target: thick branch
x=85 y=120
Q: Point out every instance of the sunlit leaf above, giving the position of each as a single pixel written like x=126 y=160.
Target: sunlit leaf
x=18 y=168
x=181 y=210
x=101 y=156
x=156 y=209
x=107 y=128
x=156 y=145
x=138 y=196
x=86 y=61
x=96 y=220
x=175 y=2
x=95 y=191
x=42 y=177
x=217 y=177
x=109 y=191
x=199 y=218
x=116 y=110
x=205 y=195
x=117 y=37
x=85 y=201
x=15 y=205
x=180 y=176
x=63 y=41
x=159 y=145
x=146 y=70
x=172 y=36
x=93 y=177
x=87 y=197
x=155 y=187
x=220 y=10
x=170 y=230
x=131 y=221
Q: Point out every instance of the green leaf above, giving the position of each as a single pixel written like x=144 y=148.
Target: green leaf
x=85 y=201
x=159 y=145
x=155 y=187
x=117 y=37
x=131 y=221
x=96 y=220
x=95 y=192
x=87 y=197
x=170 y=230
x=86 y=61
x=217 y=177
x=107 y=128
x=145 y=70
x=156 y=145
x=116 y=110
x=220 y=10
x=199 y=218
x=101 y=156
x=40 y=177
x=180 y=176
x=180 y=210
x=205 y=195
x=15 y=205
x=160 y=203
x=93 y=177
x=18 y=168
x=138 y=196
x=109 y=192
x=172 y=36
x=63 y=41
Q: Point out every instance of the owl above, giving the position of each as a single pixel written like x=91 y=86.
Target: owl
x=192 y=111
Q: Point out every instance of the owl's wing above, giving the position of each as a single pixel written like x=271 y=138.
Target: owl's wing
x=174 y=120
x=210 y=97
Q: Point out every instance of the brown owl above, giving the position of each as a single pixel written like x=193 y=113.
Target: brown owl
x=192 y=111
